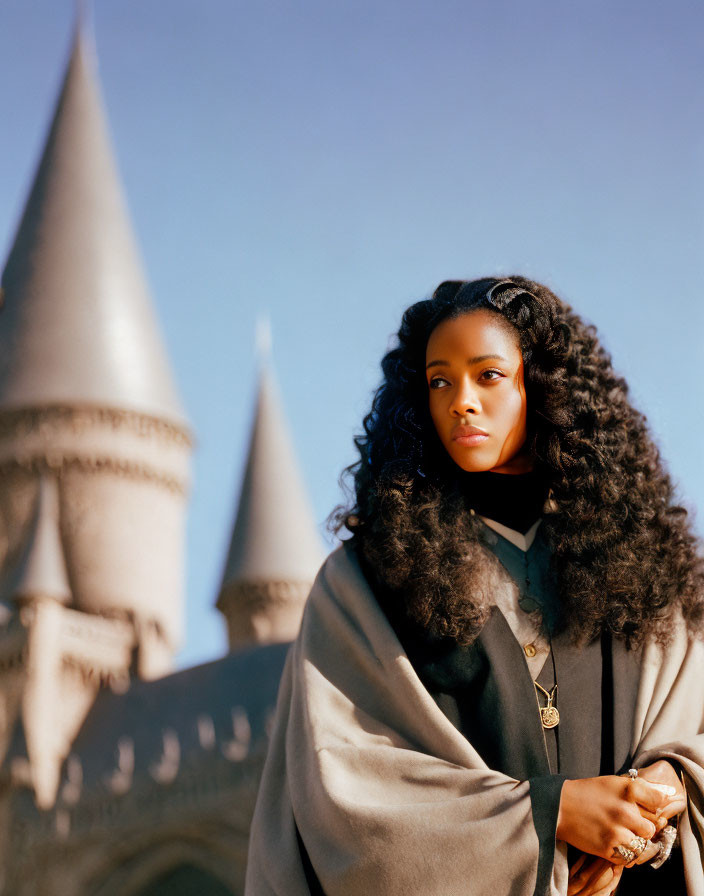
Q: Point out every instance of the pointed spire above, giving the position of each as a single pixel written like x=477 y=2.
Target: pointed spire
x=274 y=537
x=262 y=342
x=84 y=11
x=77 y=325
x=41 y=570
x=275 y=550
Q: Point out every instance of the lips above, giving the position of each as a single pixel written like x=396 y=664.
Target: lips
x=469 y=435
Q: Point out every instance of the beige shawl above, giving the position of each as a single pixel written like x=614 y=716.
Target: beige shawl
x=390 y=798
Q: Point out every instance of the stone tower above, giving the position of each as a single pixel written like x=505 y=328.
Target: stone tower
x=94 y=449
x=275 y=550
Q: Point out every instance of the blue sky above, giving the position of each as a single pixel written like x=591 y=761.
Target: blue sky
x=329 y=162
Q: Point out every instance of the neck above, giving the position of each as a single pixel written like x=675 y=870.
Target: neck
x=514 y=500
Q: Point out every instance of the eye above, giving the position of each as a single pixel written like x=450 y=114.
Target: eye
x=437 y=382
x=489 y=375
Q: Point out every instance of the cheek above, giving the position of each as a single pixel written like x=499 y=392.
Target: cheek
x=518 y=431
x=513 y=413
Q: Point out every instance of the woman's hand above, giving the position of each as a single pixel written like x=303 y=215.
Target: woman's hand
x=598 y=814
x=662 y=773
x=592 y=876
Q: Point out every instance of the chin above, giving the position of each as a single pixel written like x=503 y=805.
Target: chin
x=475 y=464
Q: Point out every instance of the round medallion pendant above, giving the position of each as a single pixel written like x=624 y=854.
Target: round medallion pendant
x=549 y=716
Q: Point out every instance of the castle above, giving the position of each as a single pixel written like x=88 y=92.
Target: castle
x=118 y=776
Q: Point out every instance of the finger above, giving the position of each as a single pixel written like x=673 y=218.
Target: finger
x=580 y=874
x=617 y=859
x=626 y=839
x=576 y=883
x=676 y=807
x=647 y=795
x=574 y=869
x=595 y=877
x=651 y=816
x=601 y=876
x=573 y=887
x=650 y=851
x=611 y=886
x=660 y=821
x=661 y=773
x=605 y=891
x=579 y=863
x=603 y=885
x=641 y=827
x=667 y=789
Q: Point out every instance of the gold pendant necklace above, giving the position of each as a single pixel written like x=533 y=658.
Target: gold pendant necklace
x=549 y=715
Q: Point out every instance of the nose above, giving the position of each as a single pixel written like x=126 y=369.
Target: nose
x=465 y=399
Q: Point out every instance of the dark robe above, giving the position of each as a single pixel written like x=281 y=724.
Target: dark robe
x=487 y=692
x=388 y=794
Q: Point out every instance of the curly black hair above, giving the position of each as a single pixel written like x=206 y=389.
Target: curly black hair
x=624 y=556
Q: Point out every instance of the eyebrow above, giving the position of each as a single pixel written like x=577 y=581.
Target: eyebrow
x=477 y=360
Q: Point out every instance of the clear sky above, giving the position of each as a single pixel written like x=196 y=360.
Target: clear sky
x=329 y=161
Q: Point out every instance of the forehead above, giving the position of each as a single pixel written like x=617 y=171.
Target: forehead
x=474 y=334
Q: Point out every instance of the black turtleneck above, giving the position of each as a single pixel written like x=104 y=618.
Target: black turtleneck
x=515 y=501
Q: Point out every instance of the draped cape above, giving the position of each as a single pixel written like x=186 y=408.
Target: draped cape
x=389 y=797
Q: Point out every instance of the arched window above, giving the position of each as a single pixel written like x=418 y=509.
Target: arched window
x=186 y=880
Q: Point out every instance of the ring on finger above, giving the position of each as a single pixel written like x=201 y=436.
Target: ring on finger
x=625 y=853
x=637 y=845
x=665 y=841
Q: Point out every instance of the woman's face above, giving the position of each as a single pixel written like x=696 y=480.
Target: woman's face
x=476 y=393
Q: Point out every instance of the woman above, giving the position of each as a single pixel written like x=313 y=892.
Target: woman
x=513 y=626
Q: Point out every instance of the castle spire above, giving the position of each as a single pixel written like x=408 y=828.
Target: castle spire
x=41 y=570
x=275 y=550
x=76 y=326
x=86 y=393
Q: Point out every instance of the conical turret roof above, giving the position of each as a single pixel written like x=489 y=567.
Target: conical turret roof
x=76 y=326
x=274 y=537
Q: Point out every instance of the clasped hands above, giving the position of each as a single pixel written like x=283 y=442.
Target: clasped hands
x=598 y=814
